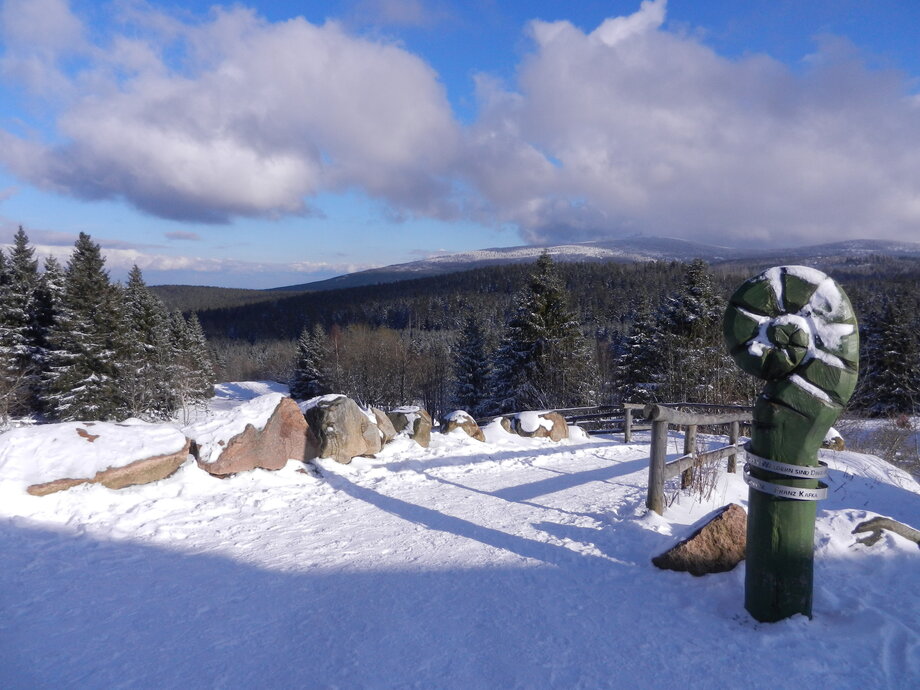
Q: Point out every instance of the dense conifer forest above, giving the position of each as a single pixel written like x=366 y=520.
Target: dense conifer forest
x=648 y=331
x=74 y=345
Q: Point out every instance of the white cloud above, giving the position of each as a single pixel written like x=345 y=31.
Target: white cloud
x=631 y=128
x=261 y=116
x=36 y=35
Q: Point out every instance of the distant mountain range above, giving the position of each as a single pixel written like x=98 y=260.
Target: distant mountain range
x=631 y=249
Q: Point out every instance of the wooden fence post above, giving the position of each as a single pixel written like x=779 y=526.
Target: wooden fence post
x=627 y=425
x=733 y=439
x=659 y=451
x=686 y=477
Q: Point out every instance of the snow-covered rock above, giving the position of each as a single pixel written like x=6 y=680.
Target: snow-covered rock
x=414 y=421
x=273 y=432
x=460 y=419
x=387 y=430
x=53 y=457
x=833 y=440
x=531 y=424
x=342 y=429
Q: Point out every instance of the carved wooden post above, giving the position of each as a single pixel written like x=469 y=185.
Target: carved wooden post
x=686 y=477
x=659 y=452
x=733 y=436
x=794 y=327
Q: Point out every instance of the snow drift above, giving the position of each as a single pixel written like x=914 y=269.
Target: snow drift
x=511 y=563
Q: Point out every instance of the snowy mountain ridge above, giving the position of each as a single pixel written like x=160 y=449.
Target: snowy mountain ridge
x=631 y=249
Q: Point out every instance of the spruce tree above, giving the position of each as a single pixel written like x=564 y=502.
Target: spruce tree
x=203 y=378
x=640 y=366
x=191 y=372
x=143 y=380
x=308 y=380
x=543 y=360
x=19 y=324
x=49 y=298
x=691 y=342
x=891 y=378
x=11 y=386
x=83 y=341
x=472 y=369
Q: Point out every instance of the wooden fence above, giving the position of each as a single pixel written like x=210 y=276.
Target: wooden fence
x=607 y=419
x=611 y=419
x=662 y=416
x=600 y=419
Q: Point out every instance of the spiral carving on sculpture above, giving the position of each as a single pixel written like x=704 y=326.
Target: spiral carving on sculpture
x=795 y=328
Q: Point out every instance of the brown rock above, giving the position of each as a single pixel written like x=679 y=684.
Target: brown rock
x=414 y=419
x=342 y=430
x=462 y=420
x=521 y=424
x=718 y=546
x=139 y=472
x=284 y=437
x=384 y=424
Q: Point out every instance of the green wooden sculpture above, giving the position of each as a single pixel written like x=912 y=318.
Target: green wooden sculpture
x=794 y=327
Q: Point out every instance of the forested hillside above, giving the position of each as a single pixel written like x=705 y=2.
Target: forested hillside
x=650 y=331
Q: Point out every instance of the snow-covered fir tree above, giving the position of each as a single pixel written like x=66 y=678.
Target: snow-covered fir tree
x=83 y=341
x=890 y=382
x=639 y=369
x=49 y=298
x=191 y=373
x=691 y=339
x=144 y=383
x=203 y=378
x=472 y=368
x=11 y=384
x=308 y=380
x=543 y=360
x=19 y=329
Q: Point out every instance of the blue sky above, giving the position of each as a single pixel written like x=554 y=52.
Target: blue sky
x=260 y=144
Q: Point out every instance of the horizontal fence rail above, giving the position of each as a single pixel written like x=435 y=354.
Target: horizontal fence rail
x=662 y=416
x=623 y=418
x=597 y=419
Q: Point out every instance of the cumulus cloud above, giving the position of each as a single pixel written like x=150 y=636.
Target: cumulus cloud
x=630 y=127
x=260 y=116
x=37 y=35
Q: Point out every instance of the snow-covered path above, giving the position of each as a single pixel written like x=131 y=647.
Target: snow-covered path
x=516 y=563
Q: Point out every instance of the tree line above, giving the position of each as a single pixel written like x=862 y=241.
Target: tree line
x=663 y=344
x=75 y=346
x=541 y=357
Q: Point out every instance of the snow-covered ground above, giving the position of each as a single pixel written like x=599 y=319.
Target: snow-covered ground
x=515 y=563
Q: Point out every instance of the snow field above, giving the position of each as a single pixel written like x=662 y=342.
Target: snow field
x=515 y=563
